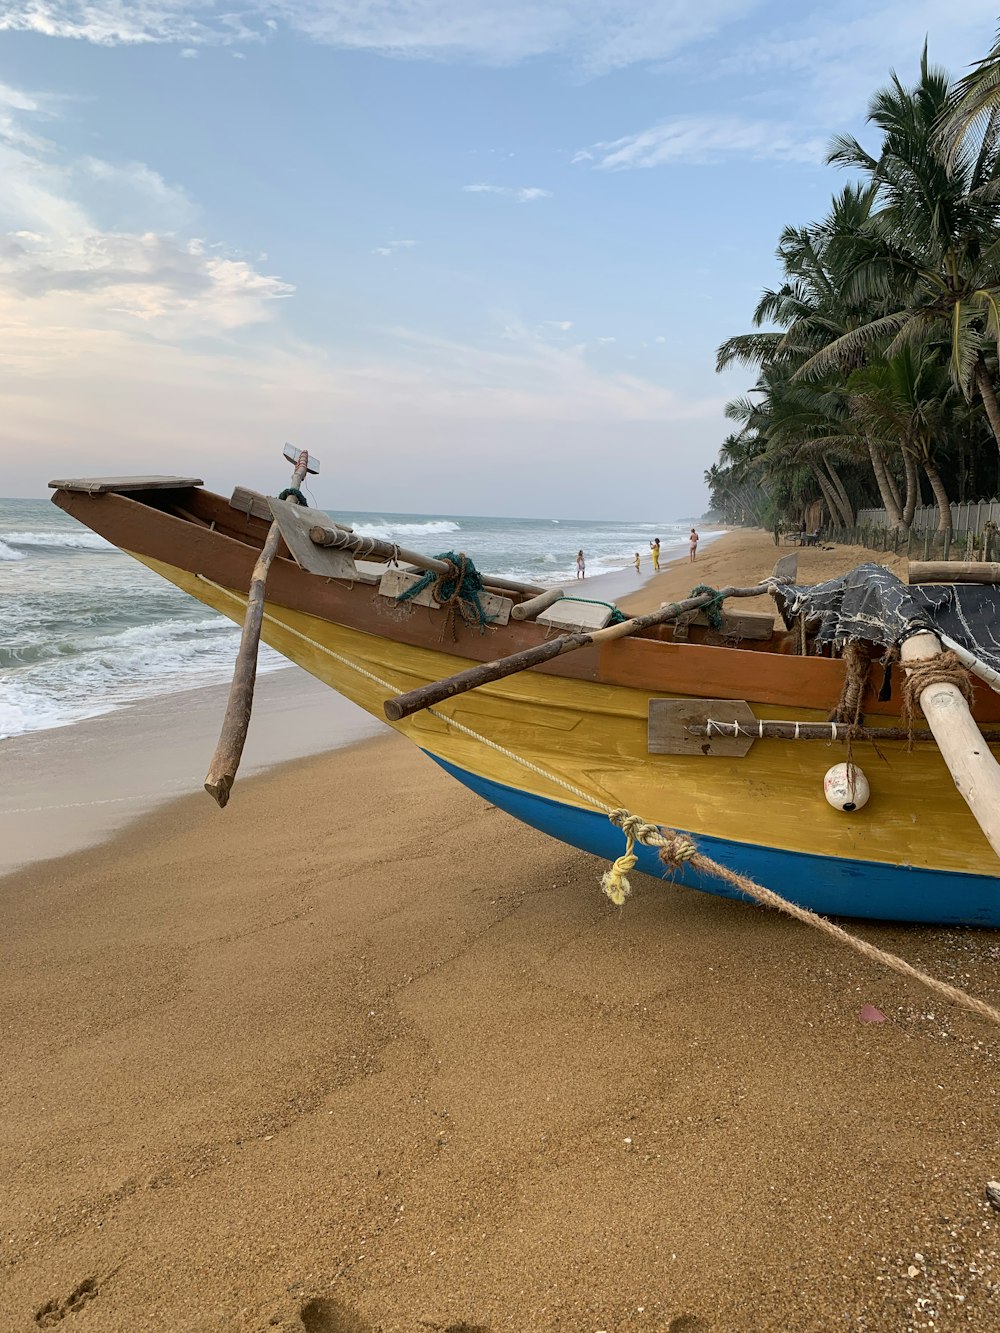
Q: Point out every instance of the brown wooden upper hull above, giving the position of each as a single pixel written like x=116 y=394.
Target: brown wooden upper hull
x=201 y=533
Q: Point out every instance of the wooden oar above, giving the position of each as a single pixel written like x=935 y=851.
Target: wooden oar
x=332 y=534
x=426 y=696
x=975 y=771
x=229 y=751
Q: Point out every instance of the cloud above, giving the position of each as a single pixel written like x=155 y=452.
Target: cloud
x=189 y=53
x=62 y=269
x=563 y=325
x=604 y=341
x=595 y=35
x=703 y=140
x=844 y=56
x=391 y=247
x=524 y=194
x=136 y=187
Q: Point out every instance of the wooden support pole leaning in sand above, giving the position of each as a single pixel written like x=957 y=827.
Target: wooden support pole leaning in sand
x=343 y=539
x=975 y=771
x=952 y=571
x=426 y=696
x=226 y=760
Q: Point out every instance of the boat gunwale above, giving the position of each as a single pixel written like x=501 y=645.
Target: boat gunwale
x=201 y=541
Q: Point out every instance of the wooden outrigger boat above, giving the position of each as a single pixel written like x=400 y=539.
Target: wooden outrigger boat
x=689 y=726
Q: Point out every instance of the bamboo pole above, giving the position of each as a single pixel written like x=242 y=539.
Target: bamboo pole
x=972 y=766
x=332 y=534
x=426 y=696
x=952 y=571
x=226 y=759
x=977 y=667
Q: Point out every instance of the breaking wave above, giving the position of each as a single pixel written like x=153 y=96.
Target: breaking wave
x=57 y=541
x=381 y=527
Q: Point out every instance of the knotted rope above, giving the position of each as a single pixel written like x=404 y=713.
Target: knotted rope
x=296 y=495
x=944 y=668
x=712 y=609
x=456 y=589
x=677 y=850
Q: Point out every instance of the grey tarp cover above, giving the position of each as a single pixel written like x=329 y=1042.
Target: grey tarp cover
x=871 y=603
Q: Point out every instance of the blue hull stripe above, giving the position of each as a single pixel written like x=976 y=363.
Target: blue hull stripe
x=832 y=886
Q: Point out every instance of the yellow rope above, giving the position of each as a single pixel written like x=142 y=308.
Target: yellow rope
x=675 y=849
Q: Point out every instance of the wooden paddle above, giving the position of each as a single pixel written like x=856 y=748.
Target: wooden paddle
x=226 y=760
x=426 y=696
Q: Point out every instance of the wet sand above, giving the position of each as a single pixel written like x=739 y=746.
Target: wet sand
x=361 y=1053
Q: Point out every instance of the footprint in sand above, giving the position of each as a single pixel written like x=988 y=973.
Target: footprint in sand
x=54 y=1312
x=323 y=1315
x=687 y=1323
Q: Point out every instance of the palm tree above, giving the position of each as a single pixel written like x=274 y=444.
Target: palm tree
x=930 y=248
x=904 y=402
x=973 y=106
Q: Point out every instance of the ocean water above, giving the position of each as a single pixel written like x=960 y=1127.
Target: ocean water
x=85 y=630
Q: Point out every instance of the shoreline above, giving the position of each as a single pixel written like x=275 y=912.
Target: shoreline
x=71 y=788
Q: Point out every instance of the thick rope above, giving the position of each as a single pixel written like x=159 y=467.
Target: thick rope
x=458 y=588
x=296 y=494
x=942 y=669
x=712 y=609
x=676 y=849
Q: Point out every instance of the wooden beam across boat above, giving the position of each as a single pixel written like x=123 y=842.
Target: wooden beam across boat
x=426 y=696
x=953 y=571
x=332 y=534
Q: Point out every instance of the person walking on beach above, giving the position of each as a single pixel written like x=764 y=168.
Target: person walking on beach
x=654 y=546
x=581 y=566
x=637 y=562
x=693 y=544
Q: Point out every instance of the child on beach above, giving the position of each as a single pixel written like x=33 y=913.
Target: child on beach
x=654 y=546
x=693 y=543
x=581 y=566
x=637 y=562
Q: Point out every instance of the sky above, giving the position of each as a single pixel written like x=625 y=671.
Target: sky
x=475 y=255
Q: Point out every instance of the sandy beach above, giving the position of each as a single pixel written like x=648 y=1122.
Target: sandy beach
x=361 y=1054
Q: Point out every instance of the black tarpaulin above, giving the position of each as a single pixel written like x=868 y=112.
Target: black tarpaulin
x=871 y=603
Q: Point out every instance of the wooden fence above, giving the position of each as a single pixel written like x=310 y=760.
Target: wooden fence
x=974 y=534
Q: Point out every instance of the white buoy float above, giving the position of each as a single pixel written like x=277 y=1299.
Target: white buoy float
x=846 y=787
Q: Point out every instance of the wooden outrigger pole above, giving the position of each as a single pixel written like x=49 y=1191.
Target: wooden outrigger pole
x=226 y=760
x=426 y=696
x=975 y=772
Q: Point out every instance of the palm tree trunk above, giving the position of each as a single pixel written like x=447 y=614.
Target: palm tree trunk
x=988 y=394
x=889 y=499
x=831 y=499
x=846 y=507
x=940 y=494
x=912 y=488
x=893 y=487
